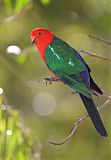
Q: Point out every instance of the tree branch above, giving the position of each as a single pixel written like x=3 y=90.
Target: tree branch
x=48 y=80
x=101 y=39
x=15 y=16
x=82 y=119
x=92 y=54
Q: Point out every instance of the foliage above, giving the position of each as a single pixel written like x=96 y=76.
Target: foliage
x=15 y=138
x=16 y=5
x=45 y=2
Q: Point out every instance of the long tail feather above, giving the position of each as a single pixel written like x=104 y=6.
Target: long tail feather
x=94 y=86
x=94 y=115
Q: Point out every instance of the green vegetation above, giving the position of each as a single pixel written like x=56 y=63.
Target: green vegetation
x=15 y=140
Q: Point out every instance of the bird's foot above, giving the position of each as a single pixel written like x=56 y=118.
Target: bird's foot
x=51 y=79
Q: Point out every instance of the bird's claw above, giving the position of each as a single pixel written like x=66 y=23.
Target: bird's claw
x=48 y=80
x=51 y=79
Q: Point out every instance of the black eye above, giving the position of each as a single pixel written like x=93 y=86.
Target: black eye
x=39 y=33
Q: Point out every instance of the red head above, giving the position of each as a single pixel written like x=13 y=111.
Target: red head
x=41 y=38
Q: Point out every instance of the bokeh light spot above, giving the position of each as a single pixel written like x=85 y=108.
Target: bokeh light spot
x=13 y=49
x=9 y=132
x=74 y=16
x=45 y=2
x=44 y=104
x=3 y=107
x=93 y=8
x=1 y=90
x=37 y=156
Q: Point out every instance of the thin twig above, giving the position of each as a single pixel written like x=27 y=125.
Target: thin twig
x=82 y=119
x=15 y=16
x=92 y=54
x=101 y=39
x=32 y=83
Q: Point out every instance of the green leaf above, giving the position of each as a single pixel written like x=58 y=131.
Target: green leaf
x=17 y=144
x=20 y=4
x=45 y=2
x=9 y=5
x=15 y=6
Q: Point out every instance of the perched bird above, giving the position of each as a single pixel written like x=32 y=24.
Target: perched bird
x=67 y=65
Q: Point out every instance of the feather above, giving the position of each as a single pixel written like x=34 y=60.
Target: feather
x=94 y=115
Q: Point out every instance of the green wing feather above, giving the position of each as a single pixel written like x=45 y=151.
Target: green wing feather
x=60 y=58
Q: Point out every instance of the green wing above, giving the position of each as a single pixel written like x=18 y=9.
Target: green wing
x=60 y=58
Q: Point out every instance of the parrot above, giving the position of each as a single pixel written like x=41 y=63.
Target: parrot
x=66 y=64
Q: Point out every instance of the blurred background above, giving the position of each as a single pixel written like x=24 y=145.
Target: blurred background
x=33 y=113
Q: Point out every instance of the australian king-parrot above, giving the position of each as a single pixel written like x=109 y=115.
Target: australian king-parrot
x=67 y=65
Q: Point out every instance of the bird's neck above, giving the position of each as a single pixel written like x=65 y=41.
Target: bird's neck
x=41 y=46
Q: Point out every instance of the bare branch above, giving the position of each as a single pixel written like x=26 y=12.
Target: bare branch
x=92 y=54
x=101 y=39
x=82 y=119
x=15 y=16
x=48 y=80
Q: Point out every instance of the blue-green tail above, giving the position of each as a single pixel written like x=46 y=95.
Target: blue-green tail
x=94 y=115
